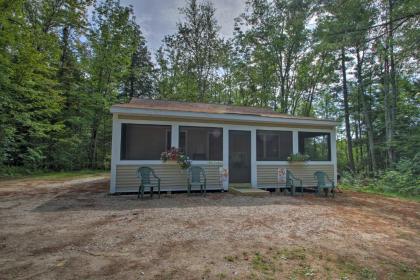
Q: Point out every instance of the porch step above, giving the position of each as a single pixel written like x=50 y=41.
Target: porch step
x=242 y=190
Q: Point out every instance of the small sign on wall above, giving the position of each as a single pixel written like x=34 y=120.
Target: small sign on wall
x=281 y=176
x=223 y=175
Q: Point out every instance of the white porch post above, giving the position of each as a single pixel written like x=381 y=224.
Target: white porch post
x=254 y=157
x=334 y=153
x=226 y=155
x=175 y=136
x=295 y=142
x=115 y=151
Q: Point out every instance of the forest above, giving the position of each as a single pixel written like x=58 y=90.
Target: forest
x=63 y=63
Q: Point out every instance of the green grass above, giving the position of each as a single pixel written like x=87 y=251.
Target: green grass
x=291 y=254
x=349 y=269
x=263 y=263
x=60 y=175
x=367 y=189
x=308 y=263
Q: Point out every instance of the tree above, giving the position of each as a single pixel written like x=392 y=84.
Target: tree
x=189 y=60
x=356 y=61
x=32 y=101
x=336 y=17
x=140 y=79
x=113 y=41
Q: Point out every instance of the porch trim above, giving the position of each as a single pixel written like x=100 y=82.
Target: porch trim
x=116 y=145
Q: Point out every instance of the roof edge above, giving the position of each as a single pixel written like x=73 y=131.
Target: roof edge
x=115 y=109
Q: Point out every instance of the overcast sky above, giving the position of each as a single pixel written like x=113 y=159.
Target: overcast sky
x=158 y=18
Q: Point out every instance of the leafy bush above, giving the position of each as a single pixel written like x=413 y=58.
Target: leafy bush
x=7 y=171
x=404 y=179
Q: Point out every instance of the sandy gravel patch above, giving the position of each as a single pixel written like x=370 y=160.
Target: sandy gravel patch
x=78 y=231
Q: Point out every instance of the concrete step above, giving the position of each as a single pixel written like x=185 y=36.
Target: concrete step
x=248 y=191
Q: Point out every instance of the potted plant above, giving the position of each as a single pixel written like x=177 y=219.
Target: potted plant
x=297 y=158
x=175 y=154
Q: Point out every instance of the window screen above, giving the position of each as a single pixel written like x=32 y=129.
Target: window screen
x=316 y=145
x=144 y=142
x=201 y=143
x=274 y=145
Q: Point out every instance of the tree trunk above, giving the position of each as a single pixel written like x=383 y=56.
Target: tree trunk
x=366 y=109
x=347 y=112
x=392 y=100
x=93 y=146
x=64 y=52
x=387 y=107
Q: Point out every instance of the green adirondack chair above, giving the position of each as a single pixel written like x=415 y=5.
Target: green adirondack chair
x=197 y=177
x=324 y=183
x=145 y=175
x=292 y=182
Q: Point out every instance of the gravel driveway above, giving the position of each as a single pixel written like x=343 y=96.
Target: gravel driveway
x=80 y=232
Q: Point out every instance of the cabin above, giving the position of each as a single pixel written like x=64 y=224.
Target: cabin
x=234 y=144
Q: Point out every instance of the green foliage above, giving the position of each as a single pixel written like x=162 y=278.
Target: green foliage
x=298 y=157
x=271 y=52
x=59 y=74
x=174 y=154
x=63 y=63
x=189 y=60
x=14 y=172
x=404 y=180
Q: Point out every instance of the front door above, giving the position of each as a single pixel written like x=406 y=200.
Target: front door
x=239 y=156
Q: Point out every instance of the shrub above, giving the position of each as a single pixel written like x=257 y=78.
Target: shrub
x=404 y=179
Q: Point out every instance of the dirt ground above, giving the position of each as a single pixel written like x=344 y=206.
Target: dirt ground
x=61 y=230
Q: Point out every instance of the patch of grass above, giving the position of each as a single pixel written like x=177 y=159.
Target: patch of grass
x=367 y=273
x=386 y=194
x=310 y=263
x=263 y=264
x=404 y=272
x=303 y=271
x=51 y=175
x=349 y=268
x=291 y=254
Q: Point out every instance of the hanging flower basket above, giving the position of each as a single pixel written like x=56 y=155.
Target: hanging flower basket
x=175 y=154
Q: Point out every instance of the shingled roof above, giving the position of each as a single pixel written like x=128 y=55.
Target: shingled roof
x=165 y=105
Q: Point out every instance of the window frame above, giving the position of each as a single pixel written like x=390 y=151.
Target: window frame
x=208 y=135
x=320 y=133
x=123 y=146
x=185 y=139
x=258 y=159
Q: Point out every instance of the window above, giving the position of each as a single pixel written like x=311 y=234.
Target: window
x=316 y=145
x=201 y=143
x=274 y=145
x=144 y=142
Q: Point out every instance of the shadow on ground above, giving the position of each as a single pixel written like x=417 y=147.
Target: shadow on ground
x=95 y=197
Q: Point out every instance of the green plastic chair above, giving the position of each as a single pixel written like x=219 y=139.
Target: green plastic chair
x=144 y=174
x=197 y=177
x=324 y=183
x=292 y=182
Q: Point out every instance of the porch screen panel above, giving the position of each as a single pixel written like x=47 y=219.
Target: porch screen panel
x=144 y=142
x=317 y=145
x=273 y=145
x=201 y=143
